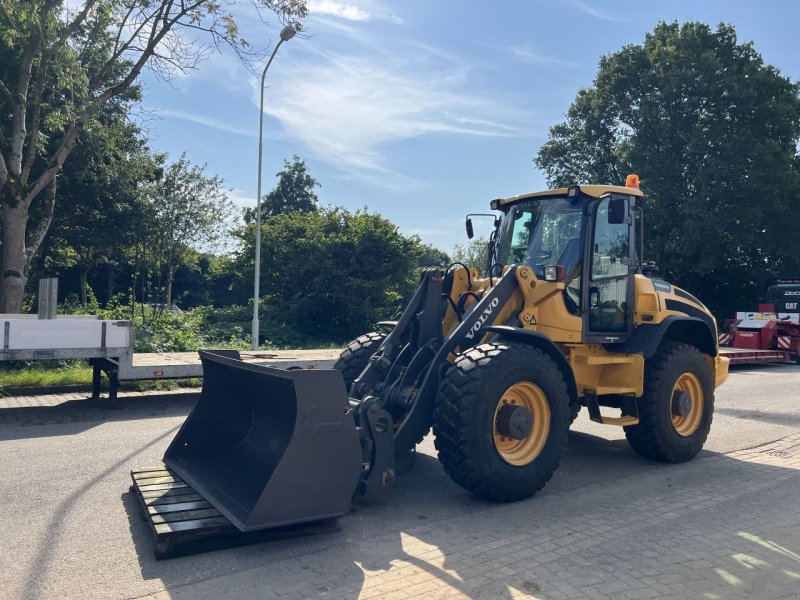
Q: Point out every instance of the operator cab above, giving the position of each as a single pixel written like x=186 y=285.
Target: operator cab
x=553 y=232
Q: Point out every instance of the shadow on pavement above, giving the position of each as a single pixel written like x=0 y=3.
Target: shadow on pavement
x=79 y=415
x=609 y=521
x=762 y=367
x=780 y=418
x=46 y=560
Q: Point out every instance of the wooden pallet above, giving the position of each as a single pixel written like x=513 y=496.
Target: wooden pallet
x=183 y=522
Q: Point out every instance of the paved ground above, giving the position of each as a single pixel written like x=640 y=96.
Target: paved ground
x=609 y=524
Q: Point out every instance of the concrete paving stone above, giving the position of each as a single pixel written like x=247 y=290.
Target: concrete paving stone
x=622 y=531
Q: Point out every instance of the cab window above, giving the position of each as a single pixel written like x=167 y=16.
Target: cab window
x=608 y=290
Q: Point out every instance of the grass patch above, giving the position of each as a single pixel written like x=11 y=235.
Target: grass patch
x=162 y=385
x=81 y=374
x=43 y=376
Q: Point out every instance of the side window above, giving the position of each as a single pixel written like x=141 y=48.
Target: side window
x=608 y=290
x=520 y=238
x=610 y=246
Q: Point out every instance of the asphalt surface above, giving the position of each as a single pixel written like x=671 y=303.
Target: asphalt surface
x=69 y=528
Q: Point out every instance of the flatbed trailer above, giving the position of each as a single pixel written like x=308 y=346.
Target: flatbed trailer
x=108 y=346
x=745 y=356
x=762 y=337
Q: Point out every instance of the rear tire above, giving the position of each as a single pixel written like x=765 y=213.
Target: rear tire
x=355 y=357
x=474 y=448
x=662 y=435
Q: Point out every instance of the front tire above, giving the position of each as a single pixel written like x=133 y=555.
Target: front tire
x=501 y=420
x=676 y=410
x=355 y=357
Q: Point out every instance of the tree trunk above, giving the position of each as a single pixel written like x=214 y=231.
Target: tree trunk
x=84 y=295
x=15 y=260
x=168 y=301
x=109 y=285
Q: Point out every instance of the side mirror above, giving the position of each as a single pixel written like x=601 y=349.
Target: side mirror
x=470 y=232
x=616 y=211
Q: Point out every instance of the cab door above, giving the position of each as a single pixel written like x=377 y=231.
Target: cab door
x=609 y=290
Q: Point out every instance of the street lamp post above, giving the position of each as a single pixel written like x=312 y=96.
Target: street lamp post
x=286 y=34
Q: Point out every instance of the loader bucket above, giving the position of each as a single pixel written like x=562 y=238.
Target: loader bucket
x=267 y=446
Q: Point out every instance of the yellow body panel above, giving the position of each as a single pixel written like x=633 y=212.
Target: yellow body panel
x=721 y=365
x=541 y=308
x=647 y=305
x=605 y=372
x=544 y=309
x=590 y=190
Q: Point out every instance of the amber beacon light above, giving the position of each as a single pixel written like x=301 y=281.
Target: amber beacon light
x=632 y=181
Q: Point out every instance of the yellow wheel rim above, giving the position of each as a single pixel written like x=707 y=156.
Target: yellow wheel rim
x=689 y=383
x=521 y=452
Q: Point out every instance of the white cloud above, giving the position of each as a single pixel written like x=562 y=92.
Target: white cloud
x=347 y=109
x=590 y=10
x=205 y=121
x=241 y=198
x=350 y=12
x=524 y=53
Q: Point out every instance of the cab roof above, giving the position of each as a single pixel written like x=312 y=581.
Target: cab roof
x=590 y=190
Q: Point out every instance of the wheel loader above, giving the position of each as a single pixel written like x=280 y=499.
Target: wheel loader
x=566 y=316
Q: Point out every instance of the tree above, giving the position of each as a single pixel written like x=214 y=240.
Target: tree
x=61 y=64
x=294 y=191
x=474 y=253
x=189 y=210
x=433 y=257
x=102 y=203
x=331 y=273
x=713 y=132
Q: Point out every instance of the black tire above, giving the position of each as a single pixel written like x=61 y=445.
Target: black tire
x=464 y=420
x=355 y=356
x=656 y=436
x=574 y=410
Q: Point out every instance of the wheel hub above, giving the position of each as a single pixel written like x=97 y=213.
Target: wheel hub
x=514 y=421
x=521 y=423
x=687 y=404
x=681 y=403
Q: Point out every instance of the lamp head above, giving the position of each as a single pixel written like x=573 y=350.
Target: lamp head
x=288 y=33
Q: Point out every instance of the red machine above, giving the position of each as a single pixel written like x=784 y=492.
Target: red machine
x=770 y=335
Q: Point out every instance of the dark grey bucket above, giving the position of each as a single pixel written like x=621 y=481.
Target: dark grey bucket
x=269 y=447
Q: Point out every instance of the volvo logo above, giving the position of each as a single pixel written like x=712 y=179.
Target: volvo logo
x=484 y=317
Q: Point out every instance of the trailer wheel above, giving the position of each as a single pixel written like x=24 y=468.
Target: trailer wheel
x=676 y=410
x=355 y=357
x=501 y=420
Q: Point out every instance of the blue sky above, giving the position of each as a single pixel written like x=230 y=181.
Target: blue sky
x=421 y=110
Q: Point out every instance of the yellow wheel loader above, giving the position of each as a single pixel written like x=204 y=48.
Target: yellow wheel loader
x=567 y=315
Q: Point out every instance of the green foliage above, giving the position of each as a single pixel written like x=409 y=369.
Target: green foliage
x=102 y=208
x=63 y=66
x=38 y=374
x=433 y=257
x=331 y=274
x=294 y=191
x=713 y=131
x=170 y=332
x=474 y=253
x=188 y=210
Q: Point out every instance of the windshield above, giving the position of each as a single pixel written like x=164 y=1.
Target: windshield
x=542 y=232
